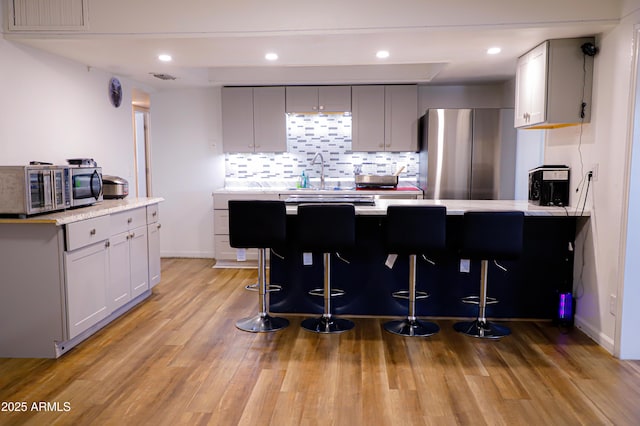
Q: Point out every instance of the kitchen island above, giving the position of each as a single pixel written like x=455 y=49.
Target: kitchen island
x=226 y=255
x=65 y=275
x=528 y=289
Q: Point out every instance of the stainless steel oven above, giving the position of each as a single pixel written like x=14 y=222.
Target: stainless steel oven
x=86 y=185
x=28 y=190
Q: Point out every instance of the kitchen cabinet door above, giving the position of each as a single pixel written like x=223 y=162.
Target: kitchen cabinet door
x=531 y=87
x=401 y=118
x=237 y=119
x=321 y=99
x=119 y=289
x=153 y=238
x=86 y=272
x=367 y=118
x=269 y=119
x=139 y=261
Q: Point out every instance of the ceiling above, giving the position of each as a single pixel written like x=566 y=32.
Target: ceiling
x=212 y=45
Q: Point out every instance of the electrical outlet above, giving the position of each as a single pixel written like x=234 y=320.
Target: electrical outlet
x=613 y=305
x=594 y=172
x=465 y=265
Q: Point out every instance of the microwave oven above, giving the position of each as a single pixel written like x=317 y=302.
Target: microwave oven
x=86 y=185
x=28 y=190
x=549 y=186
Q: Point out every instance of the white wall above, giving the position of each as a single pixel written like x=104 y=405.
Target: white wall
x=52 y=109
x=188 y=165
x=598 y=269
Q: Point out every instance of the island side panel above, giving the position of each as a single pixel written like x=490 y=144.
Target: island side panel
x=528 y=289
x=31 y=276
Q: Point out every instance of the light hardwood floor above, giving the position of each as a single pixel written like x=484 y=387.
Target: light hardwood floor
x=178 y=359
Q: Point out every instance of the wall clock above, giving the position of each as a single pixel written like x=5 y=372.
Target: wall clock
x=115 y=92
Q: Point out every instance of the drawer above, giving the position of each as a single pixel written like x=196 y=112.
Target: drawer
x=221 y=201
x=130 y=219
x=153 y=214
x=221 y=222
x=223 y=251
x=86 y=232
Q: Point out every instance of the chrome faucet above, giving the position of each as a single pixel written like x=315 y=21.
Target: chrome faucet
x=315 y=157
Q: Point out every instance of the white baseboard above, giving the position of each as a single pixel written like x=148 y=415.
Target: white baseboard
x=596 y=335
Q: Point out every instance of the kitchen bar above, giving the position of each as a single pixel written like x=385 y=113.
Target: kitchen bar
x=529 y=288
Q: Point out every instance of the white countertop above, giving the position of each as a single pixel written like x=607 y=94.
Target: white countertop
x=458 y=207
x=100 y=209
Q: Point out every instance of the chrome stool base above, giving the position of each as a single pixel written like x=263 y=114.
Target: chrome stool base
x=408 y=327
x=327 y=325
x=262 y=324
x=482 y=329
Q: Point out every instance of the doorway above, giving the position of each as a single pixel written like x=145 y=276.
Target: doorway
x=142 y=154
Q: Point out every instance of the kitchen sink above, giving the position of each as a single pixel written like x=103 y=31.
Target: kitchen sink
x=315 y=198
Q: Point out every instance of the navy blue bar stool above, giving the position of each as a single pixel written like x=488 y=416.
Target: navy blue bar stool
x=259 y=224
x=489 y=236
x=413 y=230
x=326 y=228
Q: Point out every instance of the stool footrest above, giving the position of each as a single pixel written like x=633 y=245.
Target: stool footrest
x=270 y=287
x=320 y=292
x=404 y=294
x=475 y=300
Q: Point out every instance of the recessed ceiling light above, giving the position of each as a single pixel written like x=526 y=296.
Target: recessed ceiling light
x=271 y=56
x=494 y=50
x=381 y=54
x=165 y=58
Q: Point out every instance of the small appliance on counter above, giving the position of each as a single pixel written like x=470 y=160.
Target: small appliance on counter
x=376 y=181
x=86 y=182
x=549 y=185
x=37 y=188
x=114 y=187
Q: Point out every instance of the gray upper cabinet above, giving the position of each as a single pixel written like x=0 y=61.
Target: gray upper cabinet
x=318 y=98
x=552 y=82
x=385 y=118
x=253 y=119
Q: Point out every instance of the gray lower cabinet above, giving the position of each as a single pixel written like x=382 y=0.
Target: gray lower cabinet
x=153 y=238
x=128 y=256
x=63 y=282
x=86 y=273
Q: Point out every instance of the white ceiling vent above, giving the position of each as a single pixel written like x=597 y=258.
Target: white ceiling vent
x=47 y=15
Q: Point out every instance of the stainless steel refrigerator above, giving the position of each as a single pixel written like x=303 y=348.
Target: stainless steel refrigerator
x=468 y=154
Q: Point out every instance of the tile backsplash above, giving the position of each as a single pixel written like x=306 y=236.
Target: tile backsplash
x=307 y=134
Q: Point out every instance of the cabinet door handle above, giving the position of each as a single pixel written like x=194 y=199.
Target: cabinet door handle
x=129 y=220
x=133 y=234
x=92 y=232
x=154 y=214
x=107 y=244
x=321 y=108
x=159 y=226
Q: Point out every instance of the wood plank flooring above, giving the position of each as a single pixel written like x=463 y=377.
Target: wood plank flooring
x=179 y=360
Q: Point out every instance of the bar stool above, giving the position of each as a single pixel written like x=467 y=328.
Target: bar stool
x=489 y=236
x=411 y=231
x=326 y=228
x=259 y=224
